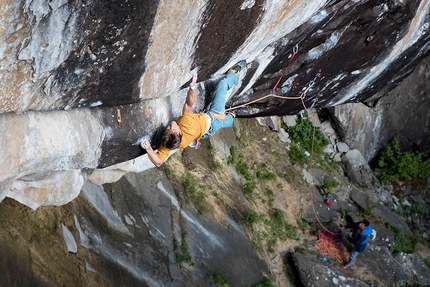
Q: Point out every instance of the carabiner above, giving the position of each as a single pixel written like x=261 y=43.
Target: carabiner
x=296 y=49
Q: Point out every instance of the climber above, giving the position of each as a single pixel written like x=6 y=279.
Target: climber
x=360 y=237
x=190 y=127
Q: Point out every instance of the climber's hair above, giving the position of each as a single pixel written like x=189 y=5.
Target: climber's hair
x=365 y=222
x=171 y=140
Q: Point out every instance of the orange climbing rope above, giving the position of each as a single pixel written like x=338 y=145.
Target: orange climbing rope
x=329 y=244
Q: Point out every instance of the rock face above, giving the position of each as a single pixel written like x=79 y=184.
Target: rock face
x=358 y=170
x=121 y=234
x=72 y=70
x=380 y=121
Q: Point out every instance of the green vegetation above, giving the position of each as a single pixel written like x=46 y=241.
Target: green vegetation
x=112 y=190
x=250 y=217
x=294 y=177
x=193 y=192
x=366 y=212
x=396 y=164
x=343 y=212
x=279 y=228
x=181 y=249
x=419 y=209
x=331 y=185
x=218 y=280
x=305 y=137
x=249 y=173
x=297 y=154
x=427 y=261
x=265 y=282
x=265 y=174
x=401 y=242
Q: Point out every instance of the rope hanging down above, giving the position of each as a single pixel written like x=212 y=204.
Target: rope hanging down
x=328 y=243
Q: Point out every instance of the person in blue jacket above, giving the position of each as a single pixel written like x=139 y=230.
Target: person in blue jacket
x=360 y=237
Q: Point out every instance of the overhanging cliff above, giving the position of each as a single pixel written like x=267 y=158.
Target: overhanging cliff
x=69 y=69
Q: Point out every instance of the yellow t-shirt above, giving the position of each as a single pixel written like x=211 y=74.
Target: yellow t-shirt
x=193 y=126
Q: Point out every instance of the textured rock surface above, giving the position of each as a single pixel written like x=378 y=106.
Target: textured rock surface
x=415 y=268
x=315 y=273
x=124 y=234
x=358 y=170
x=43 y=154
x=136 y=57
x=389 y=117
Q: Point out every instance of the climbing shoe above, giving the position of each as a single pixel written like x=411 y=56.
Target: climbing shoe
x=237 y=67
x=232 y=114
x=195 y=144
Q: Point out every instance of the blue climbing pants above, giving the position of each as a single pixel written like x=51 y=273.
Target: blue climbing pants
x=218 y=103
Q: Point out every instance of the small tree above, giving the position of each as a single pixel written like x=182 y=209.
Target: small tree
x=396 y=164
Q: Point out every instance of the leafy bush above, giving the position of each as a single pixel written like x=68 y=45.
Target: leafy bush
x=330 y=184
x=304 y=137
x=303 y=133
x=396 y=164
x=297 y=154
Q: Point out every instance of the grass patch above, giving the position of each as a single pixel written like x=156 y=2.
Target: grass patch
x=218 y=280
x=265 y=282
x=401 y=242
x=193 y=192
x=366 y=212
x=182 y=253
x=250 y=217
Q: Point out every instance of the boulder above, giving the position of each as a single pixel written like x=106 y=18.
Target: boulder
x=386 y=215
x=415 y=269
x=382 y=265
x=342 y=147
x=358 y=170
x=317 y=208
x=361 y=198
x=284 y=136
x=290 y=121
x=314 y=272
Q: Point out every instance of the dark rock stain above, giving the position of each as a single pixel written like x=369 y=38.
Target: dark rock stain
x=376 y=24
x=109 y=62
x=225 y=28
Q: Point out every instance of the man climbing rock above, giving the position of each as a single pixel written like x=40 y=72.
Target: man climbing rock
x=190 y=127
x=360 y=237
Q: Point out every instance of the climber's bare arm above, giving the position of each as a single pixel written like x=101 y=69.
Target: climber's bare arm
x=191 y=95
x=151 y=154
